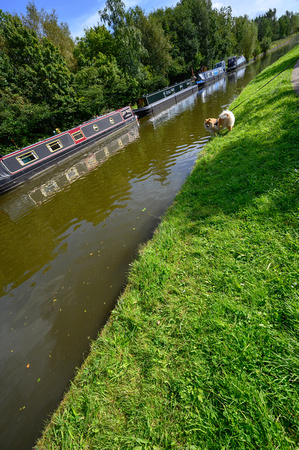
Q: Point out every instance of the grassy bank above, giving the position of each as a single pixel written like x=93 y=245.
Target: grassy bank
x=202 y=350
x=283 y=41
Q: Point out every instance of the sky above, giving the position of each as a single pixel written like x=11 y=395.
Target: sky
x=81 y=14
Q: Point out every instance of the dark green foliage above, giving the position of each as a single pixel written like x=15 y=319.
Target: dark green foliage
x=265 y=44
x=46 y=25
x=272 y=29
x=35 y=82
x=19 y=118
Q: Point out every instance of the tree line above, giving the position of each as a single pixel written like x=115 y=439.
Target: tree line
x=49 y=80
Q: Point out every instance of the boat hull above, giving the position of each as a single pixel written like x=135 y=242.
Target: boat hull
x=210 y=76
x=53 y=181
x=234 y=63
x=166 y=101
x=18 y=167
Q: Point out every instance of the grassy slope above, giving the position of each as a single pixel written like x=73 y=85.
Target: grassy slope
x=202 y=350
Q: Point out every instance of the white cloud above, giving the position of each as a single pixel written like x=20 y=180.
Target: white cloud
x=78 y=25
x=218 y=5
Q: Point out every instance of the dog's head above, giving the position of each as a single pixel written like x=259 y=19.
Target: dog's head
x=210 y=123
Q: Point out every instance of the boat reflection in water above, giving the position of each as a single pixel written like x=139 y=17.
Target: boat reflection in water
x=212 y=88
x=236 y=75
x=173 y=111
x=67 y=172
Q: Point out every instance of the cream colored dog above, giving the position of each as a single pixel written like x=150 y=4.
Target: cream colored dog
x=226 y=120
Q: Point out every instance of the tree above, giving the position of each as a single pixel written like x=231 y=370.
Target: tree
x=46 y=25
x=294 y=23
x=246 y=32
x=114 y=14
x=22 y=122
x=128 y=47
x=201 y=11
x=168 y=20
x=221 y=38
x=97 y=41
x=265 y=44
x=39 y=71
x=288 y=24
x=35 y=82
x=157 y=45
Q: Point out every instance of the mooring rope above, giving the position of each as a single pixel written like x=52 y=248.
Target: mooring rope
x=293 y=62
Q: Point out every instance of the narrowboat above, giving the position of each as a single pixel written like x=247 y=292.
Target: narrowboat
x=23 y=164
x=49 y=183
x=209 y=76
x=164 y=98
x=235 y=62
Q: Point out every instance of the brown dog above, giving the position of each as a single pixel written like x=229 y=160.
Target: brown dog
x=226 y=120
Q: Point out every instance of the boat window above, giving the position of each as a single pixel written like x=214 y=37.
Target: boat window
x=26 y=158
x=72 y=174
x=78 y=135
x=49 y=188
x=54 y=145
x=95 y=127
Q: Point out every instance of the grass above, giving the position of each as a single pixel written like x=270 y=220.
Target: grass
x=202 y=350
x=282 y=41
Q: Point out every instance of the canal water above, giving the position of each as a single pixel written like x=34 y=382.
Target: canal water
x=67 y=240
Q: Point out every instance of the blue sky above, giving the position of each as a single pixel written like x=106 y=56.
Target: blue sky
x=80 y=14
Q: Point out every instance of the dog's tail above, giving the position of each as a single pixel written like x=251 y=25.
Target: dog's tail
x=225 y=114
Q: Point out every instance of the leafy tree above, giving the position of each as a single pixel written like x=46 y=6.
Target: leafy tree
x=98 y=41
x=201 y=17
x=168 y=21
x=21 y=120
x=294 y=22
x=265 y=44
x=246 y=36
x=98 y=72
x=288 y=24
x=128 y=46
x=114 y=14
x=179 y=26
x=157 y=45
x=186 y=35
x=249 y=38
x=35 y=82
x=284 y=26
x=46 y=25
x=268 y=25
x=257 y=50
x=221 y=38
x=271 y=17
x=40 y=72
x=89 y=90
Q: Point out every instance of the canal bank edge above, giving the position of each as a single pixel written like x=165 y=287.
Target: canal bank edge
x=193 y=352
x=295 y=78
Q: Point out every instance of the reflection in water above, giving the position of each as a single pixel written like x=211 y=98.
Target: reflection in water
x=173 y=111
x=236 y=75
x=76 y=166
x=67 y=239
x=206 y=92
